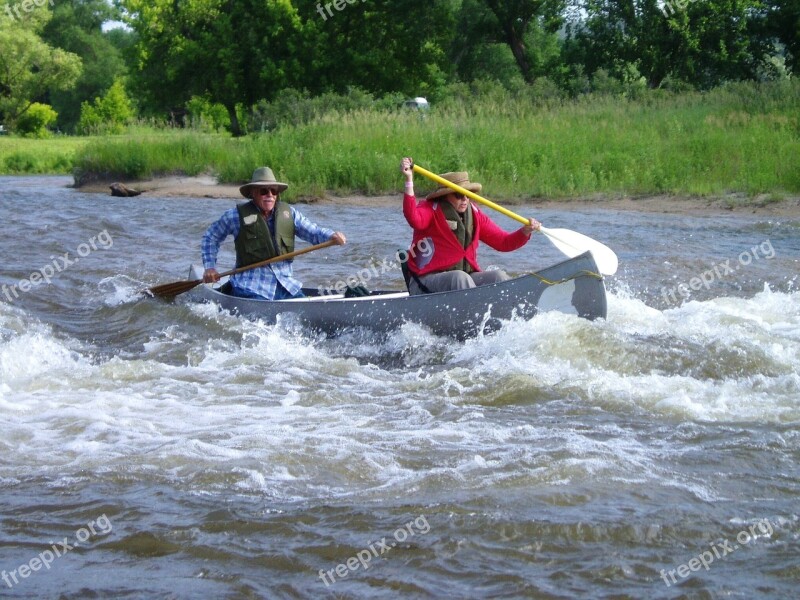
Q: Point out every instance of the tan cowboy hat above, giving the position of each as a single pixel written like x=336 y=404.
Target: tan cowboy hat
x=262 y=176
x=459 y=178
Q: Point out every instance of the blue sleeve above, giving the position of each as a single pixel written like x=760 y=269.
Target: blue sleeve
x=308 y=231
x=227 y=224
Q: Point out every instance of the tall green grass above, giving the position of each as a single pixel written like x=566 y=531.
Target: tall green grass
x=52 y=156
x=740 y=138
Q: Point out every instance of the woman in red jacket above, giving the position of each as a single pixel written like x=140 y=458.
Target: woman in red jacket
x=449 y=227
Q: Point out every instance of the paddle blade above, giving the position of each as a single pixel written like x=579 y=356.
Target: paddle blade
x=170 y=290
x=573 y=243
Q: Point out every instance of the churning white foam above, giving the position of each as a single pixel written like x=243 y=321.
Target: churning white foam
x=276 y=412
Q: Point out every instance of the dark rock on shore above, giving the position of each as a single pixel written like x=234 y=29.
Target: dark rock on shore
x=121 y=190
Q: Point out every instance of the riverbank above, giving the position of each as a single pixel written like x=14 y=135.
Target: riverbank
x=738 y=139
x=738 y=145
x=208 y=187
x=51 y=156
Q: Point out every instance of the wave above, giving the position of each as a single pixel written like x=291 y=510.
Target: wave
x=217 y=401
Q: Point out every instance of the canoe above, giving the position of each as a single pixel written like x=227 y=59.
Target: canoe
x=573 y=287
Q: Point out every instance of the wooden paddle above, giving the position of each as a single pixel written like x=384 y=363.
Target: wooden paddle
x=571 y=243
x=170 y=290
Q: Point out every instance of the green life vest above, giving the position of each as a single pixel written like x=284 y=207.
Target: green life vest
x=464 y=228
x=254 y=242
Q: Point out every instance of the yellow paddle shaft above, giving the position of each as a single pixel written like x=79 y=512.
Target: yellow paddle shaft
x=468 y=194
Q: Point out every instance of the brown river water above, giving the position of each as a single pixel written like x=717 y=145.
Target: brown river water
x=170 y=450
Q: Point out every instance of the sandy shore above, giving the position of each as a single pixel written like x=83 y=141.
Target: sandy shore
x=207 y=187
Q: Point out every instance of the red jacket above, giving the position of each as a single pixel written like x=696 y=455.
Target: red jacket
x=444 y=250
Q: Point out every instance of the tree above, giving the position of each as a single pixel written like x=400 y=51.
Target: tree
x=35 y=121
x=703 y=43
x=109 y=114
x=76 y=26
x=30 y=68
x=250 y=50
x=782 y=19
x=624 y=36
x=478 y=50
x=231 y=52
x=515 y=18
x=380 y=46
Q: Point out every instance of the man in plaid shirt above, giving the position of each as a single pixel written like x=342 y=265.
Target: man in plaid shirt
x=270 y=229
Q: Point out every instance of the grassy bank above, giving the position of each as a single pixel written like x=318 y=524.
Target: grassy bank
x=53 y=156
x=742 y=138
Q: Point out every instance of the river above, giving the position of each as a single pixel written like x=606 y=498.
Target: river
x=170 y=450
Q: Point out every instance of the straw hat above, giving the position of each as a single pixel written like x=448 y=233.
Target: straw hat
x=262 y=177
x=460 y=178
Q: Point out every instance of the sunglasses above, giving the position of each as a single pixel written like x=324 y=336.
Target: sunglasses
x=459 y=196
x=267 y=191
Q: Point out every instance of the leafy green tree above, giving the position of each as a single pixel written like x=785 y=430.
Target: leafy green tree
x=478 y=50
x=35 y=121
x=380 y=46
x=702 y=43
x=232 y=52
x=522 y=24
x=782 y=20
x=250 y=50
x=109 y=114
x=620 y=34
x=29 y=67
x=76 y=26
x=204 y=115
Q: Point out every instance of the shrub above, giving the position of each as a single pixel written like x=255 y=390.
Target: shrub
x=293 y=107
x=34 y=121
x=109 y=114
x=544 y=91
x=207 y=116
x=606 y=85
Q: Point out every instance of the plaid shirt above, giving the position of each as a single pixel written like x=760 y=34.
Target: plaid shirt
x=263 y=280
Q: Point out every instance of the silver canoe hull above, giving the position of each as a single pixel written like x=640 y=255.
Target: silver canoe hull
x=572 y=287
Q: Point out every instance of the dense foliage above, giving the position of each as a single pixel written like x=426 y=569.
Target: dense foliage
x=742 y=137
x=35 y=121
x=30 y=68
x=227 y=63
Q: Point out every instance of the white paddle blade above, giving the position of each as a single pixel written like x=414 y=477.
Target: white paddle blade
x=573 y=243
